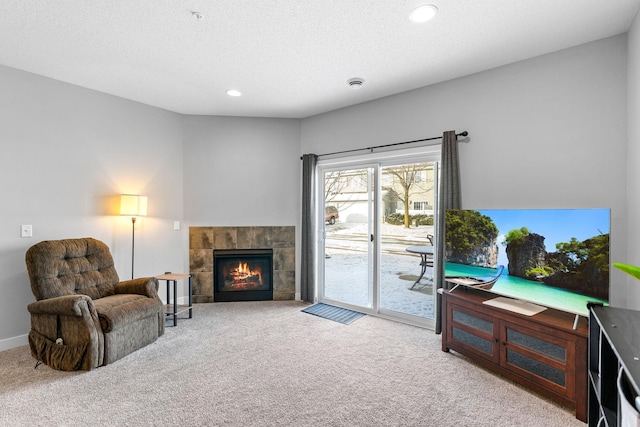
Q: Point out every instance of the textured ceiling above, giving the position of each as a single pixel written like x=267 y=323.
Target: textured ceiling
x=290 y=58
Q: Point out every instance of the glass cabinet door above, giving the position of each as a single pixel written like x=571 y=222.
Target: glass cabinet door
x=473 y=331
x=535 y=354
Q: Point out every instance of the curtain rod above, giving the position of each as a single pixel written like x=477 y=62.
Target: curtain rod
x=465 y=133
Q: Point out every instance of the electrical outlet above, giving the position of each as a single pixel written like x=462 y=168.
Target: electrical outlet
x=26 y=231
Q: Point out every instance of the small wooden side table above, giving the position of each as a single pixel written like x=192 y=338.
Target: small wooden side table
x=172 y=308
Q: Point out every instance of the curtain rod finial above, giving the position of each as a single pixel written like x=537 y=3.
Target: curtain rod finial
x=465 y=133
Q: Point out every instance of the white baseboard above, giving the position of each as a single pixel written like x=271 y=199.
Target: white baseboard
x=14 y=342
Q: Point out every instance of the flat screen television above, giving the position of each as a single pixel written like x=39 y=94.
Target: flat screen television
x=557 y=258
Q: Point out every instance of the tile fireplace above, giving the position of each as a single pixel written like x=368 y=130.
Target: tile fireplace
x=204 y=241
x=242 y=275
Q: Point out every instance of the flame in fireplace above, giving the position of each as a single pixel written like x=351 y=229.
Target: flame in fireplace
x=243 y=272
x=242 y=276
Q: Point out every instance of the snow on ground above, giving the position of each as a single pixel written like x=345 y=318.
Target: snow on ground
x=346 y=275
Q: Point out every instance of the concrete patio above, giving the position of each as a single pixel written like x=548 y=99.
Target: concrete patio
x=346 y=268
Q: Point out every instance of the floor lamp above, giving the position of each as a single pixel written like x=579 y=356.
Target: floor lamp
x=134 y=206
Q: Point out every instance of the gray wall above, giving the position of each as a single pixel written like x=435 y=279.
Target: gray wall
x=633 y=161
x=67 y=153
x=241 y=171
x=549 y=132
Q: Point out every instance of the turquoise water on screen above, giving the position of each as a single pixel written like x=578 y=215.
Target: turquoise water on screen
x=527 y=290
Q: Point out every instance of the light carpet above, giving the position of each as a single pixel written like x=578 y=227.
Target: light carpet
x=270 y=364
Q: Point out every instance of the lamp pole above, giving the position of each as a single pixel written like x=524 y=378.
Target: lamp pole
x=133 y=242
x=134 y=206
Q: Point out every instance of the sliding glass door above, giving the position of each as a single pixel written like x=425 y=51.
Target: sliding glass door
x=348 y=249
x=406 y=229
x=376 y=245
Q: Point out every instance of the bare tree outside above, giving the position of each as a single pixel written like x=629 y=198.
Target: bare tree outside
x=340 y=184
x=333 y=184
x=408 y=180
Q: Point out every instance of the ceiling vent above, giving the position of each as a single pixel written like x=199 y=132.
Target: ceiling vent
x=355 y=82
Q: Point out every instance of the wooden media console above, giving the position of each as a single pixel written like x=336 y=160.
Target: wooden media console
x=542 y=351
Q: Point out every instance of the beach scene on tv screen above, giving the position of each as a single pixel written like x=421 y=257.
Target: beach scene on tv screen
x=557 y=258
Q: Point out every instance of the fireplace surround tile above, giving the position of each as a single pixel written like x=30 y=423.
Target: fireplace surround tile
x=246 y=237
x=204 y=239
x=274 y=237
x=200 y=260
x=284 y=259
x=225 y=238
x=200 y=237
x=284 y=284
x=202 y=282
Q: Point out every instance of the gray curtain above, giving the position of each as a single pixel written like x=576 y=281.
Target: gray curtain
x=449 y=198
x=309 y=226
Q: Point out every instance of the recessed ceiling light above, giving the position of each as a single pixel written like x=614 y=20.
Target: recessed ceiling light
x=423 y=13
x=355 y=82
x=234 y=92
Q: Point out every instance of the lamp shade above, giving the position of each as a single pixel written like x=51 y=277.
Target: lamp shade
x=133 y=205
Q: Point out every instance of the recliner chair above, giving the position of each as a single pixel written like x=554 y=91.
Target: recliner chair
x=84 y=317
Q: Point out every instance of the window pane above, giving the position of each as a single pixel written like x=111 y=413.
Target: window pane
x=406 y=278
x=347 y=255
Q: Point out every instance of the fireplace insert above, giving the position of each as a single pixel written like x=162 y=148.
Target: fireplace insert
x=242 y=275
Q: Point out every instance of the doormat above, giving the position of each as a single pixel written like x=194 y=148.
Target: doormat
x=336 y=314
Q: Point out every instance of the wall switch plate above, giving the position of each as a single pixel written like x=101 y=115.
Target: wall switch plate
x=176 y=225
x=26 y=231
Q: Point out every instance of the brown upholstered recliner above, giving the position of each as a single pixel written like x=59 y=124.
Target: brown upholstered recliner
x=84 y=317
